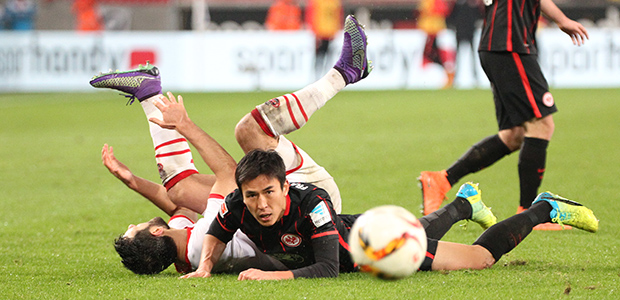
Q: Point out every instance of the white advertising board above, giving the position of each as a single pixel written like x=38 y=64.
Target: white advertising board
x=260 y=60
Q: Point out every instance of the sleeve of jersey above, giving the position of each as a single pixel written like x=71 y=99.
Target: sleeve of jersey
x=225 y=224
x=325 y=242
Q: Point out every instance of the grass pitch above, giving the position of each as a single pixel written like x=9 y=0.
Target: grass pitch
x=61 y=209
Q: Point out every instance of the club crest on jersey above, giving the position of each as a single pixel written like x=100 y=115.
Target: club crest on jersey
x=488 y=2
x=291 y=240
x=275 y=102
x=320 y=215
x=548 y=99
x=223 y=210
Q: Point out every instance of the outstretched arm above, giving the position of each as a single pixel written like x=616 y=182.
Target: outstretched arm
x=156 y=193
x=574 y=29
x=212 y=249
x=215 y=156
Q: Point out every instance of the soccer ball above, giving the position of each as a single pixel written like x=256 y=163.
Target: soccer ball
x=388 y=242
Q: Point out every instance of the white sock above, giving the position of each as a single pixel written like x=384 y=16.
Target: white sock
x=290 y=112
x=172 y=152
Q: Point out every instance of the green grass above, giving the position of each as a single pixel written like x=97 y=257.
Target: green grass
x=61 y=209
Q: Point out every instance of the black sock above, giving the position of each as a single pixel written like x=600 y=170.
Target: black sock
x=440 y=221
x=479 y=156
x=531 y=168
x=502 y=237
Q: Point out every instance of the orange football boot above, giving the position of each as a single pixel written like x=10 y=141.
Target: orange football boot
x=434 y=187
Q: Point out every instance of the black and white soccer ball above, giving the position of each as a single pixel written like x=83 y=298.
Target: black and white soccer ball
x=388 y=242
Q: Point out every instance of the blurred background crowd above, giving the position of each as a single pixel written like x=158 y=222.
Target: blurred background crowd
x=263 y=14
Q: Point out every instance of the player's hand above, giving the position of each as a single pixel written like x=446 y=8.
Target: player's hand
x=197 y=273
x=255 y=274
x=173 y=111
x=575 y=30
x=117 y=168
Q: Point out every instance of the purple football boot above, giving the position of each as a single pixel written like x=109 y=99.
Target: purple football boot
x=142 y=83
x=353 y=63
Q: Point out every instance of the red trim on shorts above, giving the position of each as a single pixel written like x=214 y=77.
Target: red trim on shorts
x=216 y=196
x=430 y=255
x=290 y=112
x=173 y=153
x=301 y=108
x=301 y=163
x=259 y=119
x=343 y=243
x=180 y=140
x=174 y=180
x=526 y=85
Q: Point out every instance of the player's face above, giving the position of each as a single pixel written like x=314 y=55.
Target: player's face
x=265 y=199
x=133 y=229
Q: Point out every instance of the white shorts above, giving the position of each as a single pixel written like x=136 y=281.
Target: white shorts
x=300 y=167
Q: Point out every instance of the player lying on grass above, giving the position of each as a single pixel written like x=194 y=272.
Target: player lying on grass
x=436 y=224
x=296 y=224
x=263 y=128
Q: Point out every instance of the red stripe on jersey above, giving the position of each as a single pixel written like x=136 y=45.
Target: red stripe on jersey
x=301 y=160
x=290 y=112
x=259 y=119
x=492 y=24
x=189 y=234
x=224 y=227
x=173 y=153
x=326 y=233
x=301 y=108
x=174 y=180
x=509 y=27
x=288 y=205
x=526 y=85
x=180 y=140
x=524 y=27
x=188 y=264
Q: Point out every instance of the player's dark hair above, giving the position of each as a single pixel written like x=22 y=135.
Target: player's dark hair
x=260 y=162
x=145 y=253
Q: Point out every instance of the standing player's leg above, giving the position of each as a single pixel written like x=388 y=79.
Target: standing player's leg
x=185 y=186
x=265 y=126
x=504 y=236
x=435 y=185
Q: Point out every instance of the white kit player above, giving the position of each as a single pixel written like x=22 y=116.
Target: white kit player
x=183 y=188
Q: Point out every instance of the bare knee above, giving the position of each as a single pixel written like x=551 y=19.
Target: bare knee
x=540 y=128
x=512 y=137
x=251 y=136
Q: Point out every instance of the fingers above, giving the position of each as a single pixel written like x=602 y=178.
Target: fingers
x=195 y=274
x=161 y=123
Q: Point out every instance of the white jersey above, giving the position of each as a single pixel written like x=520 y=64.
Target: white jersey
x=239 y=247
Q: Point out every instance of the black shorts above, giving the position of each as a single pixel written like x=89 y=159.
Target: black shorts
x=520 y=90
x=431 y=249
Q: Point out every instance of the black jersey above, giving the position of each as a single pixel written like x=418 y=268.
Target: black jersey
x=510 y=25
x=310 y=239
